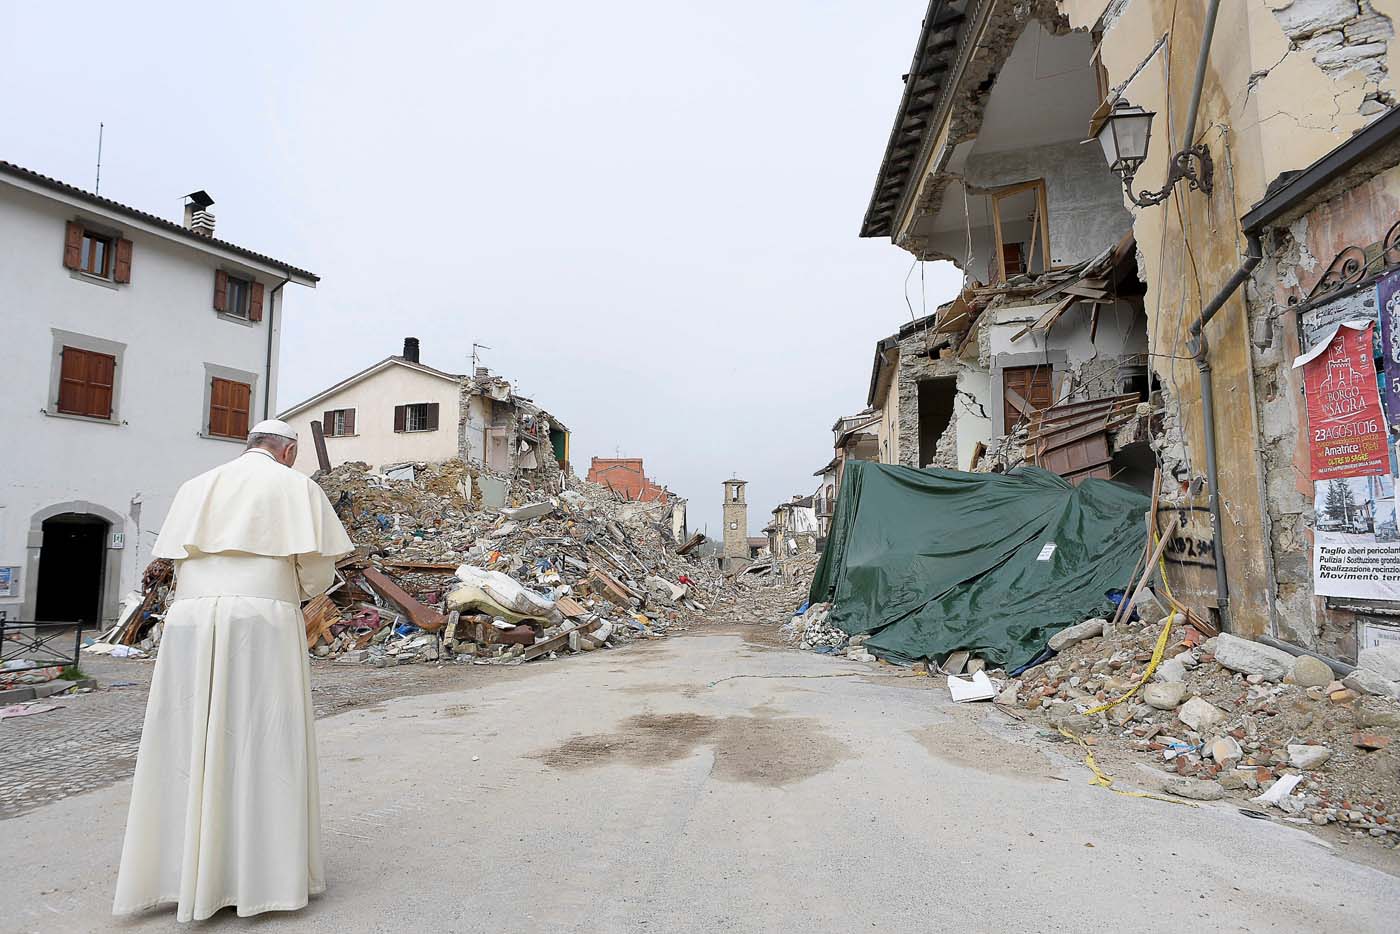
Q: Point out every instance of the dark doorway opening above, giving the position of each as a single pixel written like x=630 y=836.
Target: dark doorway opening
x=935 y=412
x=1135 y=465
x=70 y=568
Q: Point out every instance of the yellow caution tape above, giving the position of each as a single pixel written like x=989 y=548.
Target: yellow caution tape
x=1157 y=652
x=1104 y=781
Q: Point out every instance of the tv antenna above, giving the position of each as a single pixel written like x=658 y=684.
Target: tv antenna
x=97 y=188
x=476 y=356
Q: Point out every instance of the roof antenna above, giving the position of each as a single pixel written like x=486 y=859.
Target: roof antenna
x=97 y=188
x=476 y=356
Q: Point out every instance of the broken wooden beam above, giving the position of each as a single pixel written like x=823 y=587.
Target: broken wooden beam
x=425 y=618
x=323 y=457
x=554 y=643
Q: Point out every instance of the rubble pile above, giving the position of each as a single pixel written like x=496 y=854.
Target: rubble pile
x=1227 y=715
x=767 y=591
x=441 y=575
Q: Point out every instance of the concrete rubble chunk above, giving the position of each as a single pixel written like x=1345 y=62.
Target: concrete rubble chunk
x=1366 y=681
x=1310 y=672
x=1164 y=695
x=1171 y=670
x=529 y=511
x=1008 y=695
x=1194 y=789
x=1384 y=661
x=1307 y=757
x=1200 y=715
x=1225 y=751
x=1252 y=658
x=1077 y=633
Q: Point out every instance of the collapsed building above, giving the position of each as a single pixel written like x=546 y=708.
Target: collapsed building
x=400 y=411
x=1165 y=338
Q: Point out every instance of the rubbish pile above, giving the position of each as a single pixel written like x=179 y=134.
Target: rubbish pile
x=1224 y=714
x=442 y=572
x=766 y=591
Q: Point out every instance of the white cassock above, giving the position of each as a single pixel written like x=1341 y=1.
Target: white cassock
x=225 y=803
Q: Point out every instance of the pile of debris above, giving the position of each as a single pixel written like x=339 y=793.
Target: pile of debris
x=766 y=591
x=454 y=563
x=1226 y=714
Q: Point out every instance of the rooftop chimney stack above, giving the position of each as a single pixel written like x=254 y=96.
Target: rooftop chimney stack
x=198 y=217
x=410 y=349
x=482 y=372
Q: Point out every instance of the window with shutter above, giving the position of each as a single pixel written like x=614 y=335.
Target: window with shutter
x=73 y=245
x=337 y=423
x=419 y=416
x=229 y=404
x=255 y=301
x=85 y=383
x=122 y=270
x=220 y=290
x=400 y=417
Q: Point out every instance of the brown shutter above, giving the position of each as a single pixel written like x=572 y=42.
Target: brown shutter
x=349 y=421
x=328 y=422
x=73 y=245
x=255 y=302
x=73 y=382
x=122 y=272
x=240 y=404
x=432 y=416
x=101 y=371
x=400 y=417
x=220 y=290
x=218 y=407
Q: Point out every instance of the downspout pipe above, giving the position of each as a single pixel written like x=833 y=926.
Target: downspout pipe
x=1200 y=349
x=272 y=307
x=1206 y=34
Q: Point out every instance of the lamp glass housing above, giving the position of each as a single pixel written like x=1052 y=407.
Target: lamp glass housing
x=1124 y=137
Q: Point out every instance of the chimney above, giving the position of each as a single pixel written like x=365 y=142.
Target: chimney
x=482 y=372
x=410 y=349
x=198 y=217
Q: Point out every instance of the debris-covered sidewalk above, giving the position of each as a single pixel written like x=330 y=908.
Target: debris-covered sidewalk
x=456 y=564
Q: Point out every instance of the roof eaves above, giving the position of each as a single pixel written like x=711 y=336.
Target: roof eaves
x=168 y=226
x=362 y=375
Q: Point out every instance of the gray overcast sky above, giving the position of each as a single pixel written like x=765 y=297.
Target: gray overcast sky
x=648 y=210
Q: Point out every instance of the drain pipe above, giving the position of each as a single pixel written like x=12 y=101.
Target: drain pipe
x=1200 y=349
x=267 y=367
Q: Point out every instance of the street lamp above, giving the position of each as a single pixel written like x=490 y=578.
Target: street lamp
x=1124 y=137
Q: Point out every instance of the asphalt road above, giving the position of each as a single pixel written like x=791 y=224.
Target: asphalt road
x=713 y=783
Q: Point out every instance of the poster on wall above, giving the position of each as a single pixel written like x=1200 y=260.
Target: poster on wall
x=1356 y=543
x=1347 y=433
x=1388 y=310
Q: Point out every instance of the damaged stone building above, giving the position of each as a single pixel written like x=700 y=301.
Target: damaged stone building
x=401 y=410
x=1214 y=185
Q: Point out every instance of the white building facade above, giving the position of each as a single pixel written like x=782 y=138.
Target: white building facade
x=137 y=351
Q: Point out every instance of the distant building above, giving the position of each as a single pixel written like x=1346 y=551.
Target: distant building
x=736 y=526
x=401 y=410
x=625 y=475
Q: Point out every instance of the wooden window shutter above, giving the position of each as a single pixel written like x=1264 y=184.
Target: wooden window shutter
x=73 y=382
x=432 y=416
x=349 y=421
x=240 y=404
x=73 y=245
x=122 y=271
x=219 y=407
x=400 y=417
x=220 y=290
x=328 y=422
x=102 y=371
x=255 y=302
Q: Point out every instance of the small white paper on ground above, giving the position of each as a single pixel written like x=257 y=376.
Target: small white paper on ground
x=979 y=688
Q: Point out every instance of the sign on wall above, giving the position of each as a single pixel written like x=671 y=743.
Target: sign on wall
x=8 y=577
x=1356 y=544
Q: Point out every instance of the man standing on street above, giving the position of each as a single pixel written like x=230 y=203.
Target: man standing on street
x=225 y=803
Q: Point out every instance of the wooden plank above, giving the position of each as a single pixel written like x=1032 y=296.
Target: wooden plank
x=425 y=618
x=423 y=565
x=323 y=459
x=554 y=643
x=570 y=607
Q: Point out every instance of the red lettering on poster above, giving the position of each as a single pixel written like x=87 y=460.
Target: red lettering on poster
x=1347 y=431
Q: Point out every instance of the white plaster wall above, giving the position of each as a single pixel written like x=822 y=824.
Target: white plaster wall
x=478 y=418
x=165 y=318
x=375 y=442
x=971 y=426
x=1121 y=331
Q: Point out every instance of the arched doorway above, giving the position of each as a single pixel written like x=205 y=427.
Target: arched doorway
x=71 y=568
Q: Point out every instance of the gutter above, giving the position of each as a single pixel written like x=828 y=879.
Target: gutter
x=272 y=307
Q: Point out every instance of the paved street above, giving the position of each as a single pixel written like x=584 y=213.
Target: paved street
x=716 y=782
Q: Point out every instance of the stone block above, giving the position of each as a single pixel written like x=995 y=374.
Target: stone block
x=1310 y=672
x=1384 y=661
x=529 y=511
x=1252 y=658
x=1201 y=715
x=1073 y=635
x=1366 y=681
x=16 y=695
x=1305 y=17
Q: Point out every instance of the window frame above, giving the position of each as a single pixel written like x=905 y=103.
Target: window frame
x=1040 y=231
x=109 y=249
x=237 y=284
x=338 y=431
x=88 y=344
x=410 y=409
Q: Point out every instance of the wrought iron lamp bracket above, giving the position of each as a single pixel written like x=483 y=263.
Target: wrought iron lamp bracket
x=1194 y=165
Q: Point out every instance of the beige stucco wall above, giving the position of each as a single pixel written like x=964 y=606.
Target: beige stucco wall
x=1266 y=108
x=887 y=429
x=375 y=442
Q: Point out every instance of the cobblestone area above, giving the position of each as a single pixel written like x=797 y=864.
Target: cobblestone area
x=92 y=740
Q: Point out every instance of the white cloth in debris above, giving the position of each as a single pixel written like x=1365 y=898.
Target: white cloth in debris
x=225 y=804
x=254 y=505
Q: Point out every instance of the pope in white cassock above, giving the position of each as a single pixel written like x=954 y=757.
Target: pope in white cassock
x=225 y=803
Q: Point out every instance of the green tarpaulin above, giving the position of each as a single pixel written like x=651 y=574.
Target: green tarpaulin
x=932 y=561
